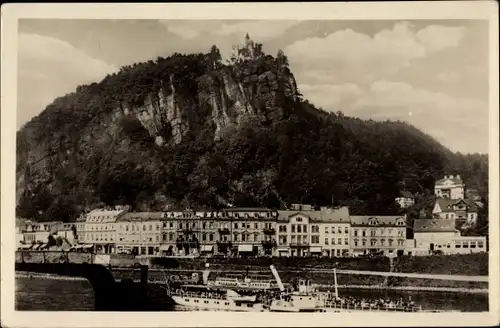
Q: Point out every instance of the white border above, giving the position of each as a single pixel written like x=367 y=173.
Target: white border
x=297 y=11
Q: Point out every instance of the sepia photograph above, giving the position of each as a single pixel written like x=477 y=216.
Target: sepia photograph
x=295 y=165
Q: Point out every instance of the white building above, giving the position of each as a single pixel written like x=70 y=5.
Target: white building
x=139 y=233
x=378 y=234
x=451 y=187
x=100 y=229
x=334 y=228
x=462 y=212
x=405 y=199
x=433 y=236
x=306 y=231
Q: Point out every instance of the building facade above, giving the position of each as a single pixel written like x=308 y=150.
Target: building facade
x=450 y=187
x=436 y=236
x=378 y=234
x=139 y=233
x=462 y=212
x=100 y=229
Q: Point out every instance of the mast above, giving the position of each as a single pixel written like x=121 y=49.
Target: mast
x=277 y=277
x=335 y=280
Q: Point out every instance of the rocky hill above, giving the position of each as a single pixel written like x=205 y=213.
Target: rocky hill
x=192 y=130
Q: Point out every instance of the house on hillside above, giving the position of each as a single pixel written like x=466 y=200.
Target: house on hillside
x=405 y=199
x=433 y=236
x=450 y=187
x=463 y=212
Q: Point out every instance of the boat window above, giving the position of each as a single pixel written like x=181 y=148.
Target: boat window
x=187 y=299
x=227 y=303
x=249 y=305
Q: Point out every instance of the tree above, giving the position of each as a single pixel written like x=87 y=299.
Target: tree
x=282 y=59
x=215 y=57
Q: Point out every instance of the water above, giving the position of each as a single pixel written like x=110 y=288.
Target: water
x=54 y=294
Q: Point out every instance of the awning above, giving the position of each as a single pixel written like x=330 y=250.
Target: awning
x=165 y=247
x=42 y=246
x=88 y=246
x=282 y=249
x=245 y=248
x=315 y=250
x=37 y=246
x=25 y=246
x=207 y=248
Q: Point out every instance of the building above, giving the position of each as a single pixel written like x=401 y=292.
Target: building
x=306 y=231
x=252 y=230
x=450 y=187
x=434 y=236
x=462 y=212
x=334 y=227
x=66 y=231
x=378 y=234
x=139 y=233
x=38 y=232
x=405 y=199
x=168 y=246
x=100 y=229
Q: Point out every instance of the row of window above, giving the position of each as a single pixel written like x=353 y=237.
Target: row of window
x=375 y=232
x=452 y=215
x=381 y=242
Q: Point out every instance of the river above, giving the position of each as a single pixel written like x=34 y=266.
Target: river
x=50 y=293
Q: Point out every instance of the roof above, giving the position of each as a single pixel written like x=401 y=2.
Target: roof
x=406 y=194
x=101 y=212
x=328 y=215
x=446 y=205
x=434 y=225
x=455 y=179
x=246 y=209
x=142 y=216
x=383 y=220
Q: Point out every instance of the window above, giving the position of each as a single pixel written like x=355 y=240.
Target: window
x=143 y=227
x=315 y=239
x=364 y=242
x=373 y=233
x=339 y=229
x=372 y=243
x=293 y=228
x=180 y=225
x=333 y=241
x=236 y=225
x=355 y=233
x=364 y=233
x=465 y=244
x=326 y=229
x=472 y=244
x=305 y=228
x=299 y=228
x=458 y=245
x=204 y=225
x=299 y=219
x=204 y=237
x=126 y=227
x=171 y=225
x=256 y=226
x=480 y=244
x=346 y=229
x=211 y=237
x=326 y=240
x=164 y=237
x=356 y=243
x=346 y=241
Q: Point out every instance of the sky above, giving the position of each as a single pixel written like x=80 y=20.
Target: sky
x=432 y=74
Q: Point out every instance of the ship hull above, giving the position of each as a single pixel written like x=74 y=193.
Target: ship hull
x=217 y=304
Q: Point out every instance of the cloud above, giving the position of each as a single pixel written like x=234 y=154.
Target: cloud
x=332 y=97
x=259 y=30
x=436 y=38
x=49 y=68
x=353 y=56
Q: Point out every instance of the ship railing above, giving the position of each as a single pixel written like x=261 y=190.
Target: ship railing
x=198 y=295
x=334 y=305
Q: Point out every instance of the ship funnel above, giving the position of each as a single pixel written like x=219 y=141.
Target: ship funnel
x=277 y=277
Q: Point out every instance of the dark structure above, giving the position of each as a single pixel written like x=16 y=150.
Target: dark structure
x=110 y=295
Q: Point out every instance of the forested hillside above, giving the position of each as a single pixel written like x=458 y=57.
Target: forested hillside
x=192 y=130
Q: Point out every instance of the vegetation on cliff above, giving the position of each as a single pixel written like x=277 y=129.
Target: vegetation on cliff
x=112 y=142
